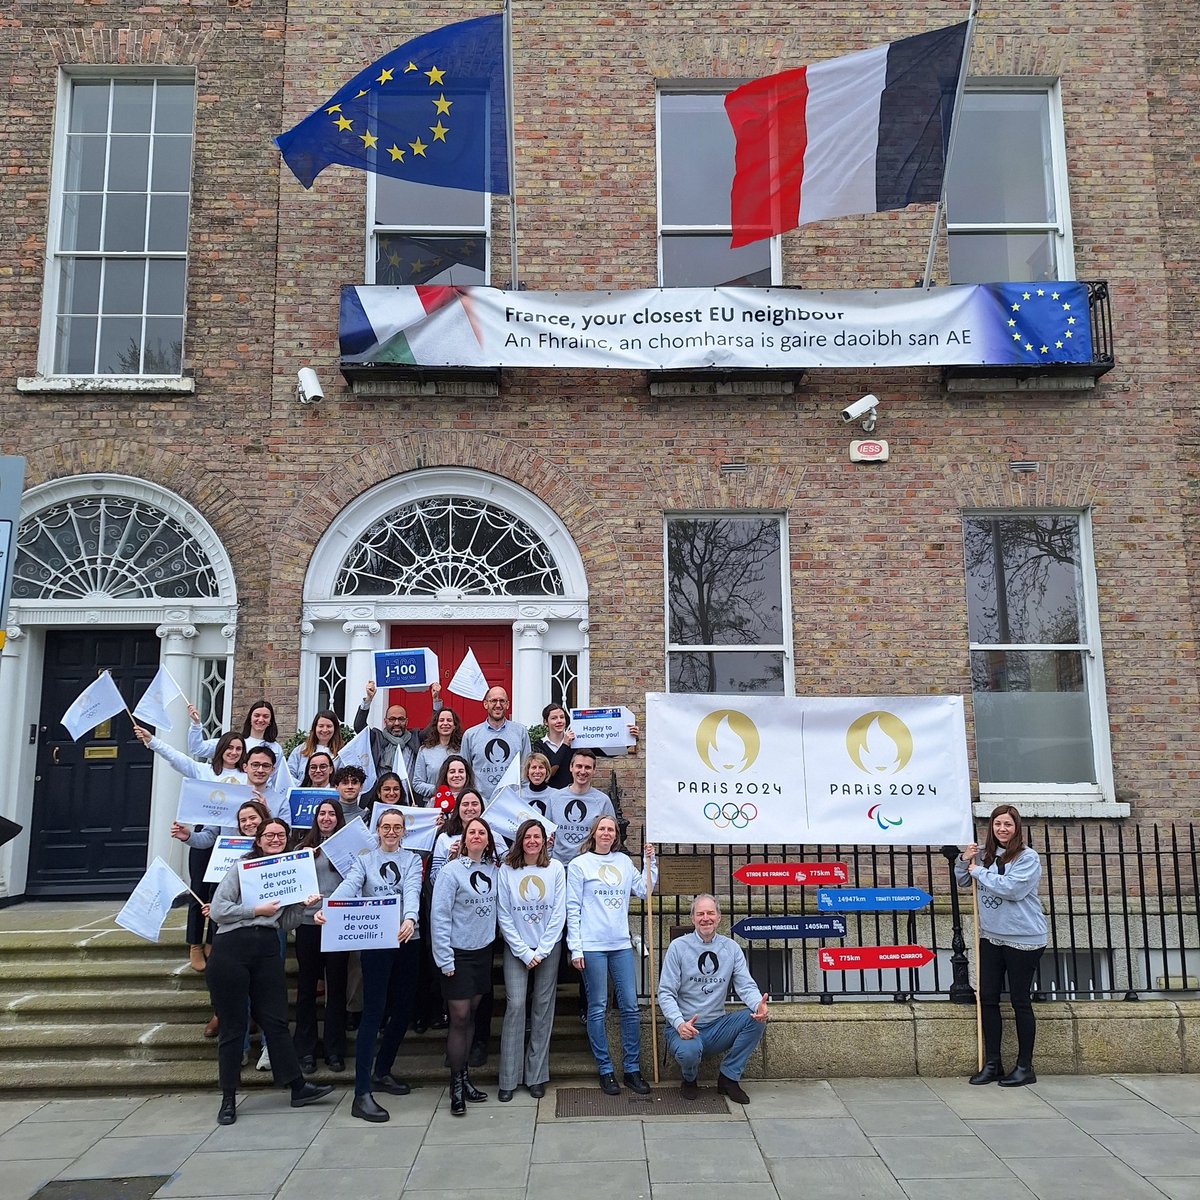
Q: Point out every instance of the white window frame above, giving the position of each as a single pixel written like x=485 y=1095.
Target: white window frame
x=52 y=274
x=785 y=646
x=664 y=229
x=1061 y=231
x=373 y=230
x=1063 y=799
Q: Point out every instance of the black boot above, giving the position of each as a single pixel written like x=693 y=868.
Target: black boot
x=990 y=1072
x=1019 y=1076
x=458 y=1101
x=367 y=1108
x=471 y=1092
x=227 y=1113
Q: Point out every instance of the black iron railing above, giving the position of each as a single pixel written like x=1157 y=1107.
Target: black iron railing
x=1121 y=905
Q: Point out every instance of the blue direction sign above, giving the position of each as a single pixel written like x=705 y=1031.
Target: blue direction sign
x=871 y=899
x=787 y=928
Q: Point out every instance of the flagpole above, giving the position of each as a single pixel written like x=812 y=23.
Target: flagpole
x=649 y=870
x=958 y=95
x=510 y=134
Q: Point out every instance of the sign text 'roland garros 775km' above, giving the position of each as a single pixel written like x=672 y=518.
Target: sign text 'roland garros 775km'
x=763 y=770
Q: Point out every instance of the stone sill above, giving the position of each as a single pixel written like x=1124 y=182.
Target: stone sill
x=1049 y=806
x=183 y=385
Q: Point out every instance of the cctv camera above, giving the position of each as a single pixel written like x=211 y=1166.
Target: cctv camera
x=308 y=386
x=860 y=408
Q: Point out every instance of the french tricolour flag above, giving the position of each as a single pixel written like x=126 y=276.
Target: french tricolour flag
x=858 y=134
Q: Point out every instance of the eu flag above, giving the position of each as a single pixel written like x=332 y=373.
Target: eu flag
x=430 y=111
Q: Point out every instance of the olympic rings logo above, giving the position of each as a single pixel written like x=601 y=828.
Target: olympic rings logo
x=729 y=814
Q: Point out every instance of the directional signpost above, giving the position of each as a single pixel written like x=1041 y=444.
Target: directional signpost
x=871 y=899
x=789 y=928
x=870 y=958
x=761 y=874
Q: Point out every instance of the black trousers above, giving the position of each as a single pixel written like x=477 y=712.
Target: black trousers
x=313 y=965
x=246 y=965
x=197 y=865
x=1019 y=966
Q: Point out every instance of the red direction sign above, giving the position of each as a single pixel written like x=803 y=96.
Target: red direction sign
x=869 y=958
x=761 y=874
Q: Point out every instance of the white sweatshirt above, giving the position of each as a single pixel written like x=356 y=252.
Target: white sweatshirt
x=598 y=891
x=533 y=909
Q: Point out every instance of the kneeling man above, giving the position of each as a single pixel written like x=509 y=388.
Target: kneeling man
x=696 y=974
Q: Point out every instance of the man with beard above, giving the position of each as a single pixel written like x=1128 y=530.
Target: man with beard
x=696 y=974
x=395 y=738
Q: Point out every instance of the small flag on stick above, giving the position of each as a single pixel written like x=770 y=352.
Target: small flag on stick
x=95 y=704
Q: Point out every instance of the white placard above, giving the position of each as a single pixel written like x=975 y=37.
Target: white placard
x=506 y=810
x=366 y=924
x=602 y=729
x=206 y=802
x=344 y=846
x=289 y=878
x=874 y=770
x=420 y=825
x=224 y=854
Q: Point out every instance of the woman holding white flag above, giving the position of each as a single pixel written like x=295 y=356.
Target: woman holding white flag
x=533 y=909
x=260 y=728
x=246 y=973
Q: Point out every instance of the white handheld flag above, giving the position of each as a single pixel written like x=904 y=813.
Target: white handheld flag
x=468 y=680
x=148 y=905
x=357 y=753
x=512 y=775
x=96 y=703
x=152 y=707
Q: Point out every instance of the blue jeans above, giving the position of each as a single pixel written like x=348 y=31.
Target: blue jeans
x=736 y=1032
x=598 y=967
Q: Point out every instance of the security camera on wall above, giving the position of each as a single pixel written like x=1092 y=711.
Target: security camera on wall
x=308 y=386
x=861 y=408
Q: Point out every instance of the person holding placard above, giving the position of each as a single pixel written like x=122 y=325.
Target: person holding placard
x=325 y=733
x=533 y=911
x=1012 y=938
x=312 y=964
x=395 y=738
x=389 y=975
x=318 y=770
x=490 y=745
x=246 y=973
x=555 y=744
x=441 y=738
x=463 y=918
x=600 y=881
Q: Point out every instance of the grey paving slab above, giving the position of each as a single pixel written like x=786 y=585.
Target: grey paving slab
x=365 y=1145
x=930 y=1118
x=14 y=1111
x=1190 y=1122
x=492 y=1194
x=834 y=1179
x=968 y=1101
x=112 y=1157
x=502 y=1165
x=46 y=1140
x=712 y=1129
x=553 y=1181
x=1178 y=1095
x=363 y=1183
x=1156 y=1153
x=939 y=1158
x=115 y=1108
x=1076 y=1087
x=901 y=1090
x=279 y=1101
x=266 y=1131
x=22 y=1178
x=1177 y=1188
x=483 y=1123
x=816 y=1137
x=729 y=1191
x=415 y=1109
x=593 y=1141
x=802 y=1098
x=193 y=1112
x=232 y=1173
x=952 y=1189
x=1037 y=1138
x=692 y=1160
x=1119 y=1116
x=1081 y=1179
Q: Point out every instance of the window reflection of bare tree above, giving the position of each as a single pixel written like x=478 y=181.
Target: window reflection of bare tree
x=724 y=576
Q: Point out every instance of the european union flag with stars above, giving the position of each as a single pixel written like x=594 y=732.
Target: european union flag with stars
x=431 y=111
x=1045 y=322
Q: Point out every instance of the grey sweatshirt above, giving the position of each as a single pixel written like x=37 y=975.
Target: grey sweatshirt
x=574 y=815
x=378 y=873
x=1009 y=907
x=696 y=976
x=463 y=913
x=229 y=912
x=489 y=751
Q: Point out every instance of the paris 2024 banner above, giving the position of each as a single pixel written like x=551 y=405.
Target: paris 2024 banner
x=868 y=770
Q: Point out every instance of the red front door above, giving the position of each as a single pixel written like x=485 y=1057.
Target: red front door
x=493 y=649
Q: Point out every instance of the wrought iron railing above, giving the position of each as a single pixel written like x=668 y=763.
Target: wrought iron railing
x=1121 y=904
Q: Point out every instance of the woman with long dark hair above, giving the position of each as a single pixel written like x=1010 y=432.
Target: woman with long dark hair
x=246 y=973
x=313 y=964
x=325 y=733
x=1012 y=937
x=260 y=728
x=318 y=770
x=440 y=738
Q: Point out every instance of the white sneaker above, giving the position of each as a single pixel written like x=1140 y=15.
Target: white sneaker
x=264 y=1061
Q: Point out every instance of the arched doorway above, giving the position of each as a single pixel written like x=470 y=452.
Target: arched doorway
x=116 y=573
x=448 y=558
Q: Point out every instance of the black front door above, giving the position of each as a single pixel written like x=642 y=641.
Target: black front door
x=91 y=799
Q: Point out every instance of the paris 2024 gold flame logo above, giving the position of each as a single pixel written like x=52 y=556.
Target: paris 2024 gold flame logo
x=879 y=743
x=727 y=741
x=531 y=888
